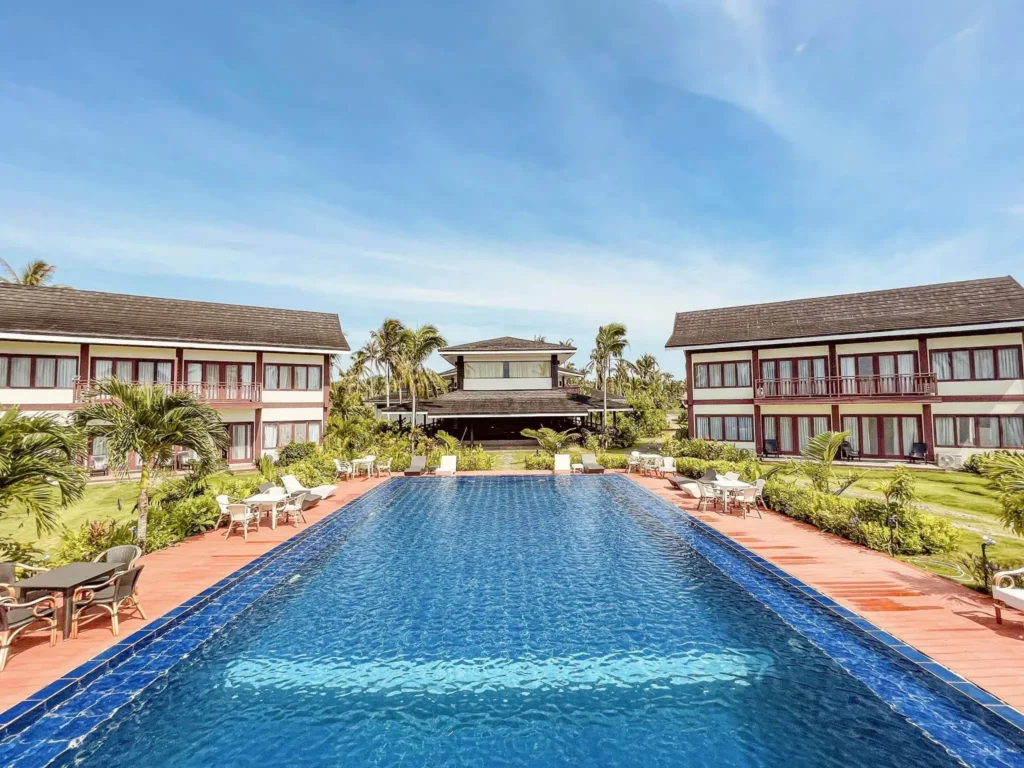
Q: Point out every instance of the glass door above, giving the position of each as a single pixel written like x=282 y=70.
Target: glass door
x=240 y=442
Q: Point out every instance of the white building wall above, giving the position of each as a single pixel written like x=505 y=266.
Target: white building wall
x=218 y=356
x=469 y=384
x=135 y=353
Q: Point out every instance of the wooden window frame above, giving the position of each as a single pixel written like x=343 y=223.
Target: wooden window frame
x=276 y=445
x=251 y=442
x=135 y=365
x=721 y=364
x=723 y=417
x=291 y=379
x=794 y=430
x=999 y=417
x=6 y=383
x=970 y=357
x=880 y=431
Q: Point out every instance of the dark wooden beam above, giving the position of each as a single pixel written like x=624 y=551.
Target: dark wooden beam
x=554 y=371
x=460 y=372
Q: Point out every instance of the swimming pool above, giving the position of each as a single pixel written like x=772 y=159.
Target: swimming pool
x=512 y=621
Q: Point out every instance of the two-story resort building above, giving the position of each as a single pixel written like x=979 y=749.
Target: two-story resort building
x=266 y=371
x=503 y=386
x=935 y=364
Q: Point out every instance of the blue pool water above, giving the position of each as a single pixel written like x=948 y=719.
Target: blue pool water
x=511 y=622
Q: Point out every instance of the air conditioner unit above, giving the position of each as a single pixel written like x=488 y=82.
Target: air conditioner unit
x=950 y=460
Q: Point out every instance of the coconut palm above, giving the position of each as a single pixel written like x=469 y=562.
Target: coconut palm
x=151 y=423
x=819 y=455
x=414 y=348
x=388 y=339
x=39 y=466
x=36 y=272
x=611 y=343
x=549 y=440
x=1006 y=470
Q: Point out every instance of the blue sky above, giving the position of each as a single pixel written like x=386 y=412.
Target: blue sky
x=512 y=168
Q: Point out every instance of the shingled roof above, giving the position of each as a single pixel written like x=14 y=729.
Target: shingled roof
x=508 y=344
x=508 y=403
x=90 y=314
x=969 y=302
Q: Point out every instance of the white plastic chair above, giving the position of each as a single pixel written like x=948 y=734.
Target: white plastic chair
x=732 y=475
x=668 y=465
x=237 y=515
x=759 y=487
x=562 y=462
x=747 y=499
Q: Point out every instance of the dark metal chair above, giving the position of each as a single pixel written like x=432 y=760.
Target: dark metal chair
x=111 y=596
x=847 y=452
x=17 y=617
x=124 y=556
x=9 y=578
x=770 y=448
x=918 y=452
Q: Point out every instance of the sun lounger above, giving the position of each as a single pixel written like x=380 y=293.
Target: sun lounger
x=1005 y=594
x=293 y=486
x=590 y=465
x=448 y=464
x=562 y=463
x=418 y=466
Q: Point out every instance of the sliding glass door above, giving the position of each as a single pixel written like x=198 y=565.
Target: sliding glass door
x=888 y=437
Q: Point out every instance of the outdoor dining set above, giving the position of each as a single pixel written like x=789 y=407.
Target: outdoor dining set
x=107 y=586
x=723 y=492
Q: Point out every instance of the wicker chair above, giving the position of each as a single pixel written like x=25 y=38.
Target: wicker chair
x=124 y=556
x=111 y=597
x=344 y=469
x=16 y=617
x=8 y=577
x=298 y=504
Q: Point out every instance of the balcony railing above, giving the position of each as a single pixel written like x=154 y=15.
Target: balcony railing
x=907 y=385
x=210 y=393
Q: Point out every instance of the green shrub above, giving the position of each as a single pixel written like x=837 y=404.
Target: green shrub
x=696 y=468
x=90 y=539
x=296 y=452
x=612 y=460
x=709 y=450
x=625 y=434
x=540 y=461
x=314 y=471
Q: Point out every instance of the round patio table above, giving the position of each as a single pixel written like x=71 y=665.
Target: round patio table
x=730 y=487
x=268 y=502
x=66 y=580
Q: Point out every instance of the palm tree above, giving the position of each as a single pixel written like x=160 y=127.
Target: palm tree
x=1006 y=471
x=151 y=423
x=388 y=339
x=414 y=349
x=647 y=369
x=819 y=455
x=611 y=343
x=549 y=440
x=34 y=273
x=39 y=465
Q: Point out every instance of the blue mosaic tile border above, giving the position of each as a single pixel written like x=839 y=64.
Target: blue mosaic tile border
x=860 y=646
x=59 y=716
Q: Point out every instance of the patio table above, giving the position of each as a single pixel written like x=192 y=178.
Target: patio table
x=66 y=580
x=357 y=463
x=267 y=501
x=730 y=487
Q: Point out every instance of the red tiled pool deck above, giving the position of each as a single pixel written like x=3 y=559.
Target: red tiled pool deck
x=949 y=623
x=171 y=577
x=954 y=625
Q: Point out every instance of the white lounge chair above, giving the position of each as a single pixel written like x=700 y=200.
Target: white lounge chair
x=1005 y=593
x=562 y=462
x=668 y=465
x=447 y=466
x=732 y=475
x=293 y=486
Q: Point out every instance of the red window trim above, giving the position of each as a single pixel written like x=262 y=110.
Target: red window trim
x=274 y=447
x=221 y=378
x=292 y=388
x=970 y=359
x=874 y=362
x=793 y=428
x=880 y=430
x=6 y=383
x=133 y=360
x=723 y=385
x=250 y=439
x=723 y=417
x=796 y=365
x=977 y=432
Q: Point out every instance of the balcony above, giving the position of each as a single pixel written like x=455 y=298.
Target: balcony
x=208 y=393
x=898 y=386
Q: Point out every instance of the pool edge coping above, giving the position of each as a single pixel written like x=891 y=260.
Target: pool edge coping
x=24 y=713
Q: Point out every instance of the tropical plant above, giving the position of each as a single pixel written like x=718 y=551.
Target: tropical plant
x=151 y=423
x=1006 y=471
x=39 y=466
x=450 y=442
x=387 y=341
x=610 y=344
x=818 y=457
x=415 y=347
x=549 y=440
x=34 y=273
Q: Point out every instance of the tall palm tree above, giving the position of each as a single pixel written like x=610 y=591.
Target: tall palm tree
x=36 y=272
x=388 y=339
x=611 y=343
x=39 y=465
x=415 y=347
x=647 y=369
x=151 y=423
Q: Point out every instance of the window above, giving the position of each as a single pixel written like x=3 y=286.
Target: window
x=214 y=380
x=978 y=364
x=793 y=433
x=882 y=436
x=878 y=374
x=988 y=431
x=295 y=377
x=481 y=370
x=798 y=376
x=141 y=371
x=239 y=442
x=37 y=372
x=717 y=375
x=734 y=428
x=530 y=369
x=279 y=434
